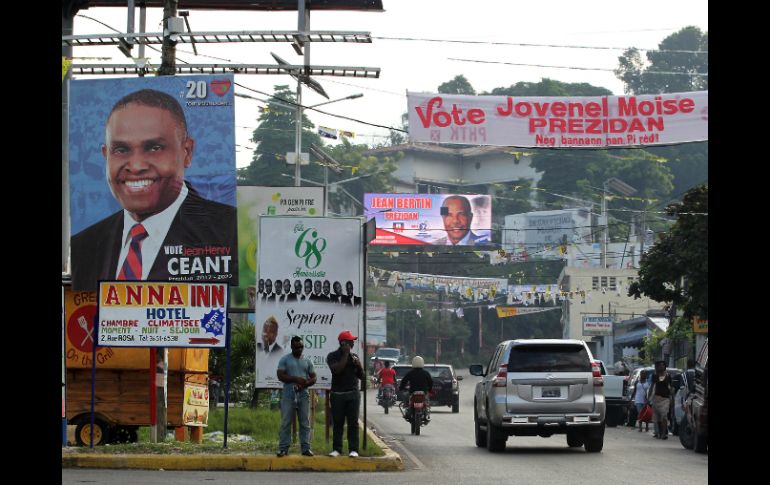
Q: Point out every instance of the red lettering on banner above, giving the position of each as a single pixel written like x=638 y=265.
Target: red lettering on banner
x=112 y=296
x=629 y=106
x=506 y=110
x=175 y=298
x=443 y=119
x=559 y=109
x=155 y=295
x=133 y=294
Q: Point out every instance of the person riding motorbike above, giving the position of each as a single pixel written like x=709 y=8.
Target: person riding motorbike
x=386 y=376
x=418 y=379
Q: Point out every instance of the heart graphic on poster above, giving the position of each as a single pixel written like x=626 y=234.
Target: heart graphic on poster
x=220 y=88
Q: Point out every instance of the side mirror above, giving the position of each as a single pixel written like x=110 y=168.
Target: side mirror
x=459 y=378
x=477 y=370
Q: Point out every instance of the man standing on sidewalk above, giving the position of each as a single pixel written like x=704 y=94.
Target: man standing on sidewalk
x=297 y=374
x=346 y=371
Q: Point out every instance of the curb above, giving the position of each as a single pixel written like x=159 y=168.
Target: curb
x=240 y=462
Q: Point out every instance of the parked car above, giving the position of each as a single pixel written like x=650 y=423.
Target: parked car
x=685 y=384
x=615 y=395
x=693 y=432
x=540 y=388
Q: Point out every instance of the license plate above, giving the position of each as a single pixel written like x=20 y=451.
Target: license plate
x=418 y=405
x=551 y=392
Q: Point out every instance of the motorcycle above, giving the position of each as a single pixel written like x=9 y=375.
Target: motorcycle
x=387 y=397
x=417 y=411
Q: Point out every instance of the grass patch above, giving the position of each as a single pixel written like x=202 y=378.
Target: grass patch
x=261 y=424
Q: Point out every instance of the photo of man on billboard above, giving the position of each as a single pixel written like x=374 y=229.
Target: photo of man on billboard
x=457 y=216
x=165 y=230
x=430 y=219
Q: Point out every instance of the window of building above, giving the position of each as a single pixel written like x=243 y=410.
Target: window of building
x=595 y=283
x=604 y=282
x=613 y=283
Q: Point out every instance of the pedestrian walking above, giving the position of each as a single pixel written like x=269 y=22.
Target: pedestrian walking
x=661 y=399
x=640 y=398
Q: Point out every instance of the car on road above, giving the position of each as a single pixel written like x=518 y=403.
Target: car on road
x=615 y=395
x=539 y=387
x=446 y=388
x=684 y=385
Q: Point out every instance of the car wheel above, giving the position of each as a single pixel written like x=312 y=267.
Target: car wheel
x=595 y=440
x=481 y=436
x=456 y=405
x=699 y=440
x=496 y=438
x=574 y=440
x=83 y=432
x=685 y=433
x=612 y=417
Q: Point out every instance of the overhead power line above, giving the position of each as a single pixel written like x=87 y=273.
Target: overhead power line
x=529 y=44
x=701 y=74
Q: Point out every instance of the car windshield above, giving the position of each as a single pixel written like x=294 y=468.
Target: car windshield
x=392 y=353
x=439 y=372
x=549 y=358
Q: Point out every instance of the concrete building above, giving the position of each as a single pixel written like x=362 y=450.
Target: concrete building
x=605 y=293
x=428 y=168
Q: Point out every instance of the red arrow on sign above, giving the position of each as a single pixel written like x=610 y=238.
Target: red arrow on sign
x=212 y=340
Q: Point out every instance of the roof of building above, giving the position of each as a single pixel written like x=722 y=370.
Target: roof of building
x=462 y=152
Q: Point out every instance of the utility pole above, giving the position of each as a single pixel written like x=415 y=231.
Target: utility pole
x=603 y=222
x=160 y=371
x=481 y=342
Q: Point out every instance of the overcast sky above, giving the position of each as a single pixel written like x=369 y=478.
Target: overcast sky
x=414 y=65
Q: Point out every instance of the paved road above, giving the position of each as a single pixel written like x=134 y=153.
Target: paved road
x=445 y=453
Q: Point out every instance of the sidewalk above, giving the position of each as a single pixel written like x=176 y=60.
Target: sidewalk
x=390 y=462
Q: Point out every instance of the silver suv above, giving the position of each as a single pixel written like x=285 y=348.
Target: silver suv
x=539 y=388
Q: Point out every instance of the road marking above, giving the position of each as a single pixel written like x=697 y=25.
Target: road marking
x=394 y=443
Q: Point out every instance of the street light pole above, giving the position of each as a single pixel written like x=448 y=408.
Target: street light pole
x=298 y=136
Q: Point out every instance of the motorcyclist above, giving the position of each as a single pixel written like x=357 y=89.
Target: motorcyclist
x=386 y=376
x=418 y=379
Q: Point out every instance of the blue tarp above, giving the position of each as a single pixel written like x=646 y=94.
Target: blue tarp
x=635 y=336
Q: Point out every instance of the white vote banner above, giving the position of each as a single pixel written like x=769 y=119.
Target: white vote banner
x=311 y=269
x=559 y=122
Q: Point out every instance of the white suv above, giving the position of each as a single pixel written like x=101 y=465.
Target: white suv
x=540 y=388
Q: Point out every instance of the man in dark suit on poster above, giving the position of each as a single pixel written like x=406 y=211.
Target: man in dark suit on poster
x=165 y=231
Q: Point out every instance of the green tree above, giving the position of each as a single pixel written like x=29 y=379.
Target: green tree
x=668 y=69
x=688 y=162
x=675 y=270
x=458 y=85
x=550 y=87
x=275 y=136
x=374 y=174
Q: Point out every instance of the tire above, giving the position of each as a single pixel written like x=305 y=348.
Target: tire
x=699 y=440
x=386 y=409
x=685 y=433
x=413 y=421
x=481 y=436
x=574 y=440
x=496 y=438
x=456 y=405
x=595 y=440
x=83 y=432
x=612 y=417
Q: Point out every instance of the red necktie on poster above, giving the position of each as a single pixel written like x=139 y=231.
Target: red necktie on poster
x=132 y=266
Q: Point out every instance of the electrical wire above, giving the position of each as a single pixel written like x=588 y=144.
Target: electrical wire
x=700 y=74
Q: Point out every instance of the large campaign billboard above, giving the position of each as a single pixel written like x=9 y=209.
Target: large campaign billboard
x=437 y=219
x=559 y=121
x=376 y=323
x=152 y=180
x=310 y=275
x=537 y=234
x=254 y=202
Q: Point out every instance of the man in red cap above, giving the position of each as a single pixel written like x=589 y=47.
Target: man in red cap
x=346 y=371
